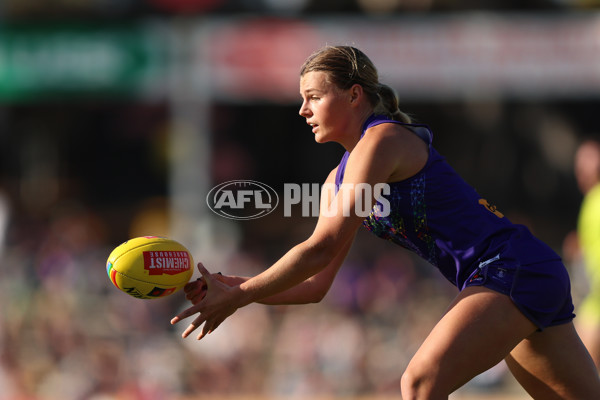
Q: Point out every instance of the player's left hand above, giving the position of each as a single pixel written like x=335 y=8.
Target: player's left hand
x=216 y=305
x=196 y=290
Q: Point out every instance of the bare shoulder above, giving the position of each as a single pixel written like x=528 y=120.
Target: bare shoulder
x=395 y=144
x=390 y=134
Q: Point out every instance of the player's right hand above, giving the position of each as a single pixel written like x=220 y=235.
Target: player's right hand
x=219 y=302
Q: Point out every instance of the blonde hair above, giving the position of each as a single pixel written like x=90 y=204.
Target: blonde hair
x=346 y=66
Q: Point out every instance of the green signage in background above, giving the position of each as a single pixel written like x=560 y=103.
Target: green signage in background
x=76 y=60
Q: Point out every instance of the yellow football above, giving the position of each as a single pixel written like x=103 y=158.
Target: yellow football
x=150 y=267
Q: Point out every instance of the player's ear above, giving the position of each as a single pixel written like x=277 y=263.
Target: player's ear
x=356 y=92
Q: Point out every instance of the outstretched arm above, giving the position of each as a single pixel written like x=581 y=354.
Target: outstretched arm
x=294 y=268
x=383 y=154
x=303 y=275
x=312 y=290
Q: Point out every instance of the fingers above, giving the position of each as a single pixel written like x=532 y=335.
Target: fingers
x=202 y=281
x=199 y=320
x=196 y=292
x=184 y=314
x=197 y=299
x=194 y=285
x=205 y=331
x=205 y=274
x=193 y=326
x=209 y=327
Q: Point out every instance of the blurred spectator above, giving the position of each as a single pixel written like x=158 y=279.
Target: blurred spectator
x=151 y=218
x=4 y=217
x=587 y=173
x=66 y=334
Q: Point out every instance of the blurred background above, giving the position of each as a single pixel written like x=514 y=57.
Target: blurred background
x=117 y=117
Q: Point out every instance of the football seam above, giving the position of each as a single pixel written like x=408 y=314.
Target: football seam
x=150 y=283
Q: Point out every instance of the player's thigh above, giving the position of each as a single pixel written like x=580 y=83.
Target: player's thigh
x=588 y=324
x=479 y=329
x=590 y=336
x=554 y=364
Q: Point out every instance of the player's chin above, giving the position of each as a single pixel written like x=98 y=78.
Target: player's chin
x=321 y=139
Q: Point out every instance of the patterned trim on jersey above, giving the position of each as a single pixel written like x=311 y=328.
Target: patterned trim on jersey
x=417 y=199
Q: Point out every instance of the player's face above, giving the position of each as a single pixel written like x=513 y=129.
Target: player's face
x=587 y=165
x=324 y=106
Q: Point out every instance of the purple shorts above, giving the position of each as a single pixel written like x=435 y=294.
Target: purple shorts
x=542 y=291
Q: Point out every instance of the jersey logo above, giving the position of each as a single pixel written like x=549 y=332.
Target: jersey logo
x=491 y=208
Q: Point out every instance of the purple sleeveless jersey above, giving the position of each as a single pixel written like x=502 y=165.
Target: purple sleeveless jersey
x=437 y=215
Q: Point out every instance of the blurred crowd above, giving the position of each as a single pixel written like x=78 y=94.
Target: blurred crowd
x=77 y=178
x=67 y=333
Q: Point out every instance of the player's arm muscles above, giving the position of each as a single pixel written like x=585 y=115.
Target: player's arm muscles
x=373 y=160
x=311 y=290
x=314 y=288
